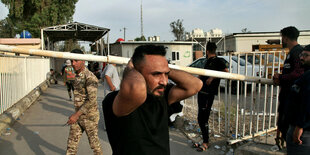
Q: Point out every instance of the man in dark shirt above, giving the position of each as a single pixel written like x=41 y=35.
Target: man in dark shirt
x=298 y=135
x=291 y=71
x=136 y=115
x=208 y=91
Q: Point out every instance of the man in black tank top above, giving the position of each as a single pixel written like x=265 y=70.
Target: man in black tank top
x=136 y=115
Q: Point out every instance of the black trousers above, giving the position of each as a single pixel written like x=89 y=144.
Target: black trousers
x=283 y=109
x=205 y=102
x=69 y=85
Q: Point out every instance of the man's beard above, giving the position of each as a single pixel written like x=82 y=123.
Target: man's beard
x=305 y=65
x=161 y=94
x=284 y=45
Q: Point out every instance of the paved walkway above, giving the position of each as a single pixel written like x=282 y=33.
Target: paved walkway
x=40 y=130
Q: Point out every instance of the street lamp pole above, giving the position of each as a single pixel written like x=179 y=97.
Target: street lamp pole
x=124 y=33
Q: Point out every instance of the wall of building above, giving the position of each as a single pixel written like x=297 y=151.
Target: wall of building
x=32 y=43
x=116 y=50
x=128 y=49
x=230 y=44
x=304 y=40
x=244 y=44
x=185 y=54
x=185 y=51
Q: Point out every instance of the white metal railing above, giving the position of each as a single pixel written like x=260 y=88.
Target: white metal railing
x=246 y=114
x=19 y=76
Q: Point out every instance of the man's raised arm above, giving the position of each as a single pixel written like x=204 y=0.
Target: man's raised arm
x=186 y=86
x=132 y=94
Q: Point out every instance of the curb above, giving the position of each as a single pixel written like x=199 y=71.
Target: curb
x=8 y=117
x=253 y=148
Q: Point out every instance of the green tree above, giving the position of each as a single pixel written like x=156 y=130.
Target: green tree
x=72 y=44
x=6 y=28
x=32 y=15
x=142 y=38
x=178 y=29
x=245 y=30
x=68 y=45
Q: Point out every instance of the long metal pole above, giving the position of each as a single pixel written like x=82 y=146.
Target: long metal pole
x=124 y=33
x=225 y=109
x=42 y=40
x=228 y=104
x=245 y=94
x=141 y=20
x=259 y=93
x=219 y=109
x=238 y=100
x=266 y=89
x=124 y=61
x=252 y=94
x=108 y=42
x=271 y=92
x=224 y=43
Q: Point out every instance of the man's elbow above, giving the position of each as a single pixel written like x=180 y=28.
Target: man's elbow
x=199 y=85
x=130 y=97
x=120 y=113
x=196 y=87
x=126 y=108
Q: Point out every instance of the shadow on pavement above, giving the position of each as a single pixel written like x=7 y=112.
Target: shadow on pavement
x=56 y=109
x=34 y=141
x=9 y=149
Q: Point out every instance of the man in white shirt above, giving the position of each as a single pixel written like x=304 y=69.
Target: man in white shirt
x=111 y=81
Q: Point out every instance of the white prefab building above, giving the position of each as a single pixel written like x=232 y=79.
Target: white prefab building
x=243 y=42
x=178 y=53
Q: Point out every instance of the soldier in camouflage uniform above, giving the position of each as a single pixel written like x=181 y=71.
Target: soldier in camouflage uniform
x=86 y=116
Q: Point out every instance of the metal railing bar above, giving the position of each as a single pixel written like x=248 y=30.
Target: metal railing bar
x=238 y=100
x=233 y=141
x=219 y=109
x=271 y=92
x=266 y=89
x=259 y=92
x=252 y=97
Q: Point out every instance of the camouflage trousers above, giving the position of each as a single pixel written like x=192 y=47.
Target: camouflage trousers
x=76 y=131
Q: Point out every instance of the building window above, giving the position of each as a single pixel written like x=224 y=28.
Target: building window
x=175 y=56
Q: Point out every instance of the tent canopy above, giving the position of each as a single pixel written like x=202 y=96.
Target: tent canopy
x=75 y=30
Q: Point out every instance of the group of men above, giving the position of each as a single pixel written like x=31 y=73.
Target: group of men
x=294 y=108
x=136 y=113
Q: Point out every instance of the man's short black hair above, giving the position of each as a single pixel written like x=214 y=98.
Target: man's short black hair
x=77 y=51
x=51 y=69
x=290 y=32
x=143 y=50
x=211 y=47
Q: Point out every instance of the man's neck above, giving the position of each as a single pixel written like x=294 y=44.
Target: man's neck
x=211 y=55
x=292 y=44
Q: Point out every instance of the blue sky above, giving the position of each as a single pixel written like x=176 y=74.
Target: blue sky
x=229 y=15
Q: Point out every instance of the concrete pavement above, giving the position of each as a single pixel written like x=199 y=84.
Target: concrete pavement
x=40 y=129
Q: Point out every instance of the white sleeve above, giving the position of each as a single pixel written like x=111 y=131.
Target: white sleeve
x=103 y=72
x=109 y=71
